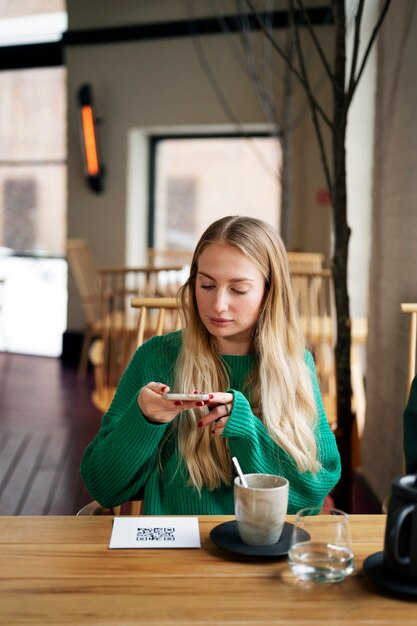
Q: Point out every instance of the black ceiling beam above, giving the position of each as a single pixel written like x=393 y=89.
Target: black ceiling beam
x=51 y=54
x=186 y=28
x=32 y=55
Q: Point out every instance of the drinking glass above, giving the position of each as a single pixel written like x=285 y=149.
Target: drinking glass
x=320 y=546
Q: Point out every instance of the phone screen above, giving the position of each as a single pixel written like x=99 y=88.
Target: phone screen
x=186 y=396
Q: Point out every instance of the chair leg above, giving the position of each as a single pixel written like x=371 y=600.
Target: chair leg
x=137 y=506
x=83 y=364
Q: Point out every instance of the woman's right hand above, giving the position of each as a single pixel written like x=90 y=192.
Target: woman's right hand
x=158 y=409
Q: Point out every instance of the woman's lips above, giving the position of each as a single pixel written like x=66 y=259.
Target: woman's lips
x=216 y=321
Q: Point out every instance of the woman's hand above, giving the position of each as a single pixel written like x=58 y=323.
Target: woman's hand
x=220 y=407
x=158 y=409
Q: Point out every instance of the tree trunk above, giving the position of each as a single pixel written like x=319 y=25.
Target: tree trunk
x=343 y=491
x=342 y=350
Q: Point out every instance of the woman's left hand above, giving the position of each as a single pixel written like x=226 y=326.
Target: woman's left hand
x=220 y=407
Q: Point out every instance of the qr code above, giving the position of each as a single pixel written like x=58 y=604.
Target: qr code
x=155 y=534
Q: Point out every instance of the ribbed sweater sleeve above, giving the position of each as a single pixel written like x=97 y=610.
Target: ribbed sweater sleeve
x=250 y=442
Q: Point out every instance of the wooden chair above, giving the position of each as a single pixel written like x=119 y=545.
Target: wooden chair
x=305 y=261
x=105 y=292
x=176 y=256
x=126 y=323
x=84 y=269
x=129 y=508
x=313 y=290
x=314 y=294
x=155 y=316
x=118 y=319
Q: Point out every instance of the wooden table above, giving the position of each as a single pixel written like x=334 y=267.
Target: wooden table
x=59 y=570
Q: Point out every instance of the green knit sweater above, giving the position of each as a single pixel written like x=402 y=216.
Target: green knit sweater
x=121 y=463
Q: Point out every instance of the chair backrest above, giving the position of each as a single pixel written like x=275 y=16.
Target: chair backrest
x=175 y=256
x=305 y=261
x=314 y=293
x=140 y=281
x=85 y=271
x=410 y=308
x=119 y=320
x=156 y=317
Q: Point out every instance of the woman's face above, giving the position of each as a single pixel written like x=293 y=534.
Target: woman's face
x=229 y=291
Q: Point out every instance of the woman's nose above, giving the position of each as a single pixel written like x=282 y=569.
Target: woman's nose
x=220 y=302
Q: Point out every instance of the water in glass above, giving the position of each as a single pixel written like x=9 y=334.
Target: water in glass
x=320 y=547
x=320 y=562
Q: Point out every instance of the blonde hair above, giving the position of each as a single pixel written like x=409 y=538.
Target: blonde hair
x=280 y=387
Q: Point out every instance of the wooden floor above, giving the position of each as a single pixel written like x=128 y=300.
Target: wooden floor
x=46 y=421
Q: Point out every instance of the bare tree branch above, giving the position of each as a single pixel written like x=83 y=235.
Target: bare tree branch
x=270 y=110
x=368 y=50
x=251 y=67
x=286 y=144
x=311 y=100
x=314 y=103
x=315 y=40
x=219 y=92
x=356 y=42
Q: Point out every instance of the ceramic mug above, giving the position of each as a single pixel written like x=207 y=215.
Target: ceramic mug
x=400 y=545
x=261 y=508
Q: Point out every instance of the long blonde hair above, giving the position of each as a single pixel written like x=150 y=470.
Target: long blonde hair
x=281 y=392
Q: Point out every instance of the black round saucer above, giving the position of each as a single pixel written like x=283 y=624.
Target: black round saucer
x=227 y=536
x=379 y=573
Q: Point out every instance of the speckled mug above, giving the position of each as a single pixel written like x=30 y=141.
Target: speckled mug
x=261 y=508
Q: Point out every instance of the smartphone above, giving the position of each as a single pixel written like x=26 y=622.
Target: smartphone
x=187 y=396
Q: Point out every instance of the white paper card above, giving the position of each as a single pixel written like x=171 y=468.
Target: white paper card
x=155 y=532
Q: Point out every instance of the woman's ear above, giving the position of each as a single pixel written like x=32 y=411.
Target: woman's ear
x=265 y=299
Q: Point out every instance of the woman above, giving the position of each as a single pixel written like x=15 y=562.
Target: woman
x=242 y=344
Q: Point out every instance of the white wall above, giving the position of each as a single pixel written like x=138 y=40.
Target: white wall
x=394 y=250
x=359 y=157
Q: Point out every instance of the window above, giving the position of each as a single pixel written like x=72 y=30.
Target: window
x=200 y=179
x=33 y=186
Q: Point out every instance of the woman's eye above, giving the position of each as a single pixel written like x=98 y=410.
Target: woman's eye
x=207 y=286
x=240 y=293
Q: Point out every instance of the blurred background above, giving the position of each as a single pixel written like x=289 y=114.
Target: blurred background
x=196 y=118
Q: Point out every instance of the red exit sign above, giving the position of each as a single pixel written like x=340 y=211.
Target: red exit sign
x=323 y=197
